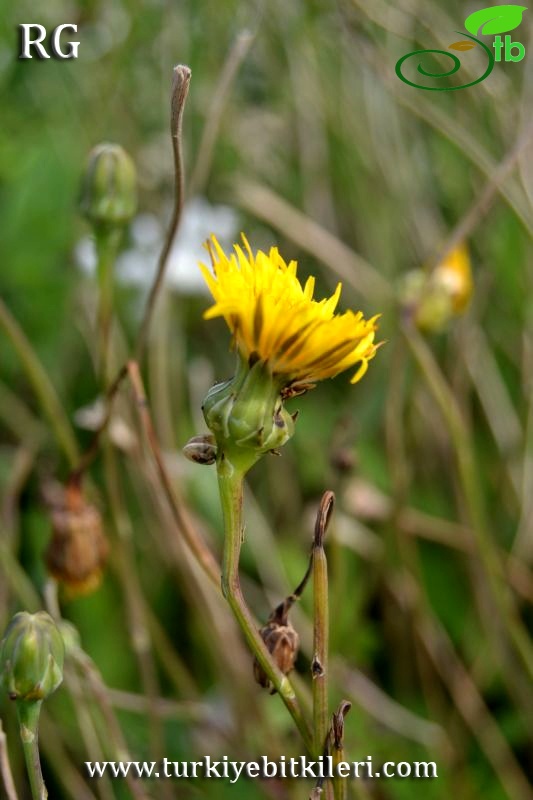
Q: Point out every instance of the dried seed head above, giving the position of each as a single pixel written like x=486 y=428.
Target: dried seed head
x=282 y=642
x=78 y=549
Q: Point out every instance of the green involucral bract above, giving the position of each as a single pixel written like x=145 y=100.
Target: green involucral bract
x=246 y=415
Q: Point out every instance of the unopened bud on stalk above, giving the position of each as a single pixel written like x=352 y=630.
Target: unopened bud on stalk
x=109 y=192
x=246 y=414
x=31 y=657
x=432 y=299
x=282 y=643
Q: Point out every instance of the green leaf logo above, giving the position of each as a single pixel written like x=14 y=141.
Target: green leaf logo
x=496 y=19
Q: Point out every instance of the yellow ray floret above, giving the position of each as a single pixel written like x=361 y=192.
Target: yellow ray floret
x=274 y=318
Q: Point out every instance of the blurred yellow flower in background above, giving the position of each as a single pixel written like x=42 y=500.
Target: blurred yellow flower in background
x=433 y=299
x=275 y=319
x=454 y=275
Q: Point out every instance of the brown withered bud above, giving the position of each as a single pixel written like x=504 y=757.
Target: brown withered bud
x=201 y=449
x=282 y=642
x=78 y=550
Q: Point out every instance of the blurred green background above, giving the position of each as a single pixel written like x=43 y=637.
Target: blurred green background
x=298 y=132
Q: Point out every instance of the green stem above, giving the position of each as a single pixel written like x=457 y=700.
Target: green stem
x=107 y=246
x=41 y=384
x=28 y=714
x=230 y=482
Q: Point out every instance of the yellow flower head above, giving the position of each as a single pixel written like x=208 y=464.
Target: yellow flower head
x=274 y=319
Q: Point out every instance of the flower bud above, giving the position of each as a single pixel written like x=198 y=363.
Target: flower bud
x=201 y=449
x=246 y=414
x=433 y=299
x=78 y=550
x=31 y=657
x=109 y=193
x=429 y=307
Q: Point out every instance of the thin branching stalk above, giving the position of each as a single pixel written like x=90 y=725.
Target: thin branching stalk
x=230 y=481
x=180 y=89
x=199 y=549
